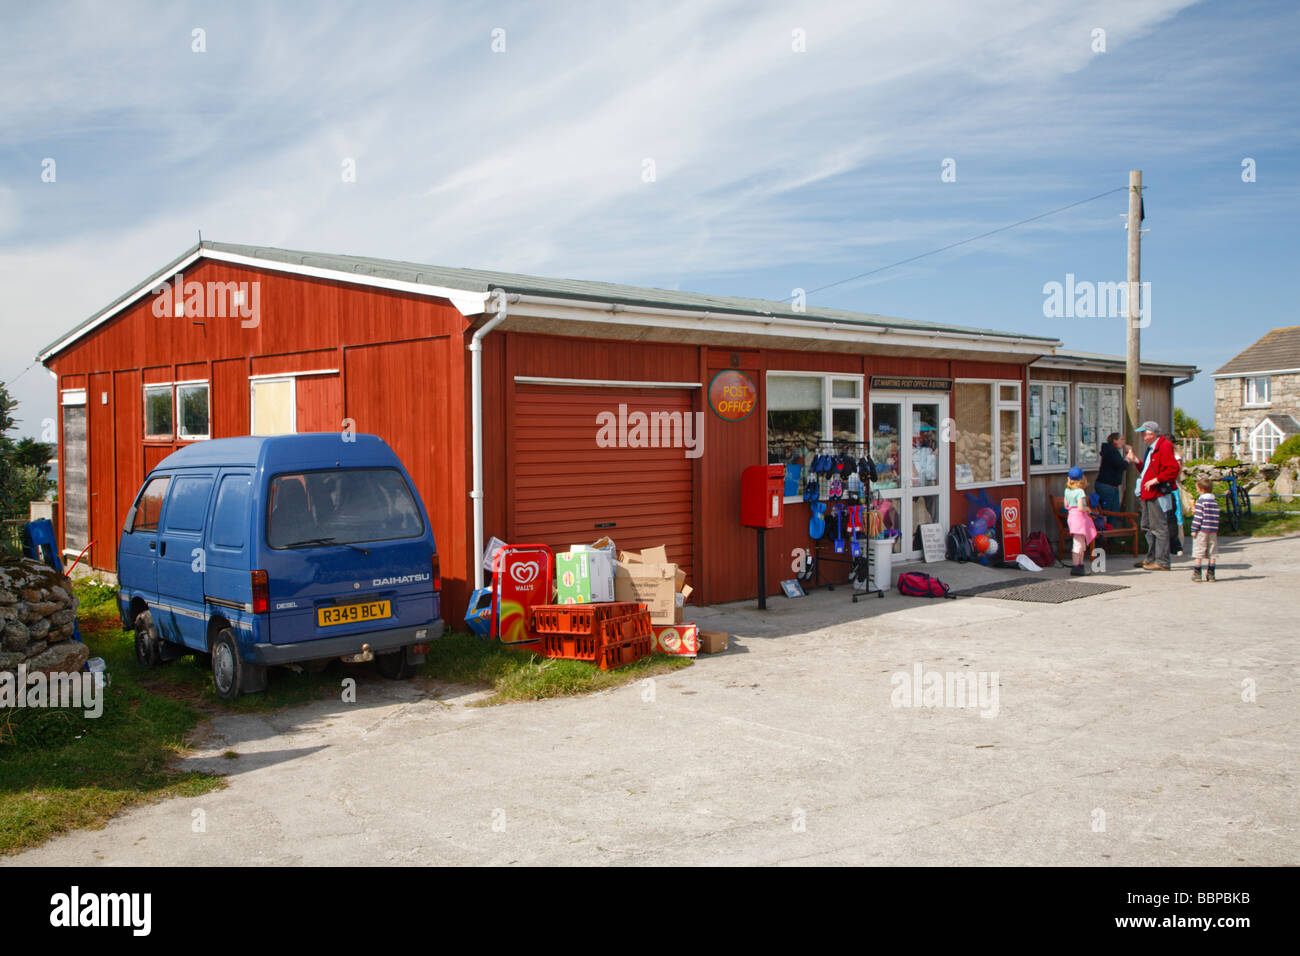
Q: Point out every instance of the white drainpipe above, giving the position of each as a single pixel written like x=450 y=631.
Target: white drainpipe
x=476 y=413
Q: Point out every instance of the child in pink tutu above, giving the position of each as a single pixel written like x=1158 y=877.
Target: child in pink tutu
x=1079 y=518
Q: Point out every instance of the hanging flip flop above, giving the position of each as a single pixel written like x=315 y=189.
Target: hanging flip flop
x=817 y=523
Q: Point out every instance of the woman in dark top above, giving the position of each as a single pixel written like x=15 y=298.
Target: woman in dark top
x=1110 y=476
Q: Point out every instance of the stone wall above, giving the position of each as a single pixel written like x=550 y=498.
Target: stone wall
x=1229 y=414
x=38 y=614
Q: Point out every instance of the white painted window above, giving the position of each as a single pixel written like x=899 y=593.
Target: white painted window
x=987 y=439
x=158 y=410
x=1257 y=391
x=804 y=408
x=193 y=419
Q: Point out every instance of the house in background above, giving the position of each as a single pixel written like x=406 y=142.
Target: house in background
x=1257 y=397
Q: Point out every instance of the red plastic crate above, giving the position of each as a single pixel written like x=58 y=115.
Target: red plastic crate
x=577 y=618
x=616 y=655
x=619 y=629
x=574 y=647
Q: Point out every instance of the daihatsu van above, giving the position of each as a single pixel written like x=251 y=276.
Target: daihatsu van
x=291 y=549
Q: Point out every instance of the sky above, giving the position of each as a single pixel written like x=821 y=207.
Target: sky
x=735 y=148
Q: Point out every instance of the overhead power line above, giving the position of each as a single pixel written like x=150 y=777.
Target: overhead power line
x=962 y=242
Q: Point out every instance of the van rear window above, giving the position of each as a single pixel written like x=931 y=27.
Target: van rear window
x=312 y=509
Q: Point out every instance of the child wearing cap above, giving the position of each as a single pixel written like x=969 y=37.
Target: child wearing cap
x=1079 y=519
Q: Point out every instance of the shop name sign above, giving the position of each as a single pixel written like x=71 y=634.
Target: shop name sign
x=912 y=384
x=732 y=396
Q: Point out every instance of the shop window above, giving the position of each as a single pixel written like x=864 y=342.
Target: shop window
x=1257 y=391
x=886 y=424
x=987 y=445
x=158 y=411
x=274 y=406
x=1100 y=411
x=805 y=411
x=192 y=410
x=1049 y=425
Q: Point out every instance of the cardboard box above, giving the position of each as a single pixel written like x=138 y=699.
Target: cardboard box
x=713 y=642
x=650 y=578
x=680 y=640
x=652 y=585
x=583 y=577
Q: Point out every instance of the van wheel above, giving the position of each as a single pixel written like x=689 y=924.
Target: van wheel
x=148 y=653
x=395 y=666
x=227 y=665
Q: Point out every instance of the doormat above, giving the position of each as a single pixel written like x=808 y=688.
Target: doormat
x=1052 y=591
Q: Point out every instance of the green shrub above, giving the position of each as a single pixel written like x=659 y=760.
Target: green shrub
x=1288 y=449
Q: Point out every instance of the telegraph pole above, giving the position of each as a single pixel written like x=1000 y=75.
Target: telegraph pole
x=1133 y=367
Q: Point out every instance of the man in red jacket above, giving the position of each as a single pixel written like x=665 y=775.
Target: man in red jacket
x=1157 y=482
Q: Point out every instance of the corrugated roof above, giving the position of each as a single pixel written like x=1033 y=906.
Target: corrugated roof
x=484 y=281
x=1277 y=350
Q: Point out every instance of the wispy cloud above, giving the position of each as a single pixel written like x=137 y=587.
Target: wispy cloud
x=770 y=164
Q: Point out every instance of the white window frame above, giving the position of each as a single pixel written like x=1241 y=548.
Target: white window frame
x=1258 y=438
x=176 y=414
x=1076 y=426
x=829 y=403
x=1069 y=427
x=255 y=380
x=997 y=405
x=158 y=386
x=1250 y=391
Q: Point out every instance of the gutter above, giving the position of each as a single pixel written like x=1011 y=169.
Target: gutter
x=476 y=414
x=811 y=327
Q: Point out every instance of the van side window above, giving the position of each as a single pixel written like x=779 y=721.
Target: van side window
x=189 y=502
x=149 y=506
x=230 y=517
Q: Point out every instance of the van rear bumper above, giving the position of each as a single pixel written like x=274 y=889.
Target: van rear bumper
x=379 y=641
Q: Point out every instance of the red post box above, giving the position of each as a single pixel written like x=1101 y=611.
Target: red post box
x=762 y=496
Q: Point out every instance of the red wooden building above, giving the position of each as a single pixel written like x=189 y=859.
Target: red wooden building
x=230 y=340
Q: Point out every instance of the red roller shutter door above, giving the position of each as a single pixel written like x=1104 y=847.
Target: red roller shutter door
x=565 y=486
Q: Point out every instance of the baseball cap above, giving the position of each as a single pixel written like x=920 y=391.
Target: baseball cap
x=1149 y=427
x=1076 y=473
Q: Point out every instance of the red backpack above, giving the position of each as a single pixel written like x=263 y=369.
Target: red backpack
x=917 y=584
x=1039 y=550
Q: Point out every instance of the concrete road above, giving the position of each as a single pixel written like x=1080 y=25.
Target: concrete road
x=1151 y=725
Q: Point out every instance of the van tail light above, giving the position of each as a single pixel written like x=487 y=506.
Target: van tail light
x=261 y=593
x=436 y=567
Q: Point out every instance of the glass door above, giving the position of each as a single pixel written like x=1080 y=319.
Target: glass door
x=927 y=476
x=887 y=448
x=912 y=466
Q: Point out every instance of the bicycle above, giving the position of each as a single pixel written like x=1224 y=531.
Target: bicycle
x=1236 y=503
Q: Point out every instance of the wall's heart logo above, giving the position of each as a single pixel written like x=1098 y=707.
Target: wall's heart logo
x=525 y=574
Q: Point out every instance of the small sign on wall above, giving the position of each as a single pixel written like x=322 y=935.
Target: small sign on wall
x=932 y=543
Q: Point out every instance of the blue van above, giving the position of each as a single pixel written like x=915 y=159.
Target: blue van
x=292 y=549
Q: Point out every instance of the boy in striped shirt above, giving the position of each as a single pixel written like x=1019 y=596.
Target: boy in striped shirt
x=1205 y=529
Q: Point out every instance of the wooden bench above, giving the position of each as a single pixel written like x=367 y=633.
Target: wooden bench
x=1126 y=524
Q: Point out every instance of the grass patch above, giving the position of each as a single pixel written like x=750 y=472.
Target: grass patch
x=60 y=770
x=463 y=658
